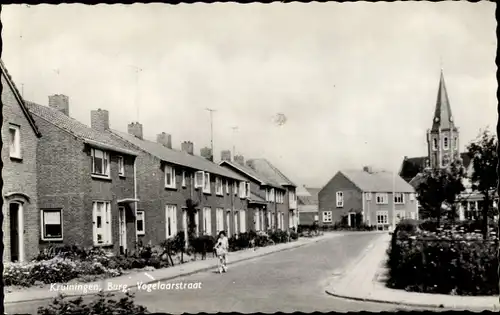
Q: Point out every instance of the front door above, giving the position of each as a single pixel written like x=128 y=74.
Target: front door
x=14 y=231
x=352 y=220
x=122 y=222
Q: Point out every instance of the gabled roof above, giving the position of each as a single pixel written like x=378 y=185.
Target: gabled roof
x=72 y=126
x=311 y=199
x=265 y=168
x=263 y=180
x=19 y=99
x=412 y=166
x=177 y=157
x=378 y=181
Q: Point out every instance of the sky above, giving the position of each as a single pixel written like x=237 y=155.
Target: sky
x=357 y=82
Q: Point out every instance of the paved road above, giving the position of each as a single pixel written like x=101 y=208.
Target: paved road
x=287 y=281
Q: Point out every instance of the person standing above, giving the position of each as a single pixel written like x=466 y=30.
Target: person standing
x=222 y=248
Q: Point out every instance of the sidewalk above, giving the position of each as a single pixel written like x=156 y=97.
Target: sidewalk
x=364 y=281
x=131 y=280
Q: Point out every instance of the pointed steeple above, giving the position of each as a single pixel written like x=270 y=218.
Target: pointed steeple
x=442 y=115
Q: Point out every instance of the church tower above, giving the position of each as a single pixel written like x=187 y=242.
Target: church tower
x=443 y=137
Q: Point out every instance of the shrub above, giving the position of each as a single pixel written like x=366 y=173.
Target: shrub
x=432 y=263
x=408 y=225
x=103 y=305
x=294 y=235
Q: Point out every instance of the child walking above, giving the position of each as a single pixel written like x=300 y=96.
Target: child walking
x=222 y=248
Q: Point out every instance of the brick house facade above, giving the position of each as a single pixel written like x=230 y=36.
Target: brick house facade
x=20 y=134
x=166 y=184
x=374 y=198
x=86 y=186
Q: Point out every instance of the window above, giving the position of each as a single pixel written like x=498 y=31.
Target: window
x=207 y=221
x=242 y=190
x=271 y=195
x=256 y=219
x=445 y=143
x=327 y=216
x=268 y=194
x=269 y=220
x=291 y=195
x=340 y=199
x=412 y=196
x=52 y=225
x=169 y=176
x=183 y=178
x=236 y=222
x=382 y=198
x=218 y=186
x=197 y=222
x=199 y=178
x=399 y=198
x=140 y=223
x=243 y=225
x=219 y=220
x=121 y=166
x=15 y=141
x=206 y=183
x=228 y=222
x=400 y=215
x=227 y=186
x=412 y=215
x=102 y=223
x=100 y=162
x=382 y=217
x=171 y=221
x=247 y=186
x=368 y=196
x=434 y=144
x=235 y=188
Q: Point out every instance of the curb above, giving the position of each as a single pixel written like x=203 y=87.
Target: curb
x=172 y=277
x=421 y=305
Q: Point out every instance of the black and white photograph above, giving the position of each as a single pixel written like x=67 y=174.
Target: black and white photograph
x=230 y=157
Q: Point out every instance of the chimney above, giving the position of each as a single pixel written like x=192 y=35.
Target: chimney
x=225 y=155
x=206 y=153
x=368 y=169
x=188 y=147
x=135 y=129
x=250 y=164
x=99 y=119
x=239 y=159
x=59 y=102
x=164 y=139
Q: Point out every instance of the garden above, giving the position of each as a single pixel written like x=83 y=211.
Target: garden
x=447 y=258
x=71 y=263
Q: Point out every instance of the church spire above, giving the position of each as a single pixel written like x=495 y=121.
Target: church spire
x=442 y=115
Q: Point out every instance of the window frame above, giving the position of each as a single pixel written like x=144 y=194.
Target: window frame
x=219 y=187
x=339 y=199
x=219 y=219
x=402 y=195
x=325 y=215
x=368 y=196
x=16 y=142
x=183 y=182
x=171 y=212
x=206 y=183
x=143 y=231
x=384 y=214
x=173 y=183
x=121 y=166
x=235 y=188
x=446 y=143
x=197 y=184
x=43 y=235
x=435 y=144
x=106 y=223
x=384 y=197
x=207 y=221
x=105 y=163
x=243 y=222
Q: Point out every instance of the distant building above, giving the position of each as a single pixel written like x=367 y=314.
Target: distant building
x=307 y=204
x=353 y=197
x=442 y=149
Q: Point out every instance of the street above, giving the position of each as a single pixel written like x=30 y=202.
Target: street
x=292 y=280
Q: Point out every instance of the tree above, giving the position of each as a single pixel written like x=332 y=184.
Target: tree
x=439 y=186
x=483 y=153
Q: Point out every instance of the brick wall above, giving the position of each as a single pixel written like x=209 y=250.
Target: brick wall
x=328 y=199
x=19 y=175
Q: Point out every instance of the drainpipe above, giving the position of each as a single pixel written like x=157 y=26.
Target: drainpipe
x=135 y=203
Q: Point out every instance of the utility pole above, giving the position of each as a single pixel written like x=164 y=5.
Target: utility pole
x=211 y=132
x=235 y=128
x=137 y=70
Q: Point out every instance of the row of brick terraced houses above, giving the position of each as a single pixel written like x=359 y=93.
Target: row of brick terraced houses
x=68 y=183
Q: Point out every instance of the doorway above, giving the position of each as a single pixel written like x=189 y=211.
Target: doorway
x=16 y=232
x=122 y=223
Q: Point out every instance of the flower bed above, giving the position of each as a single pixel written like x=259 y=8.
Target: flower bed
x=445 y=262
